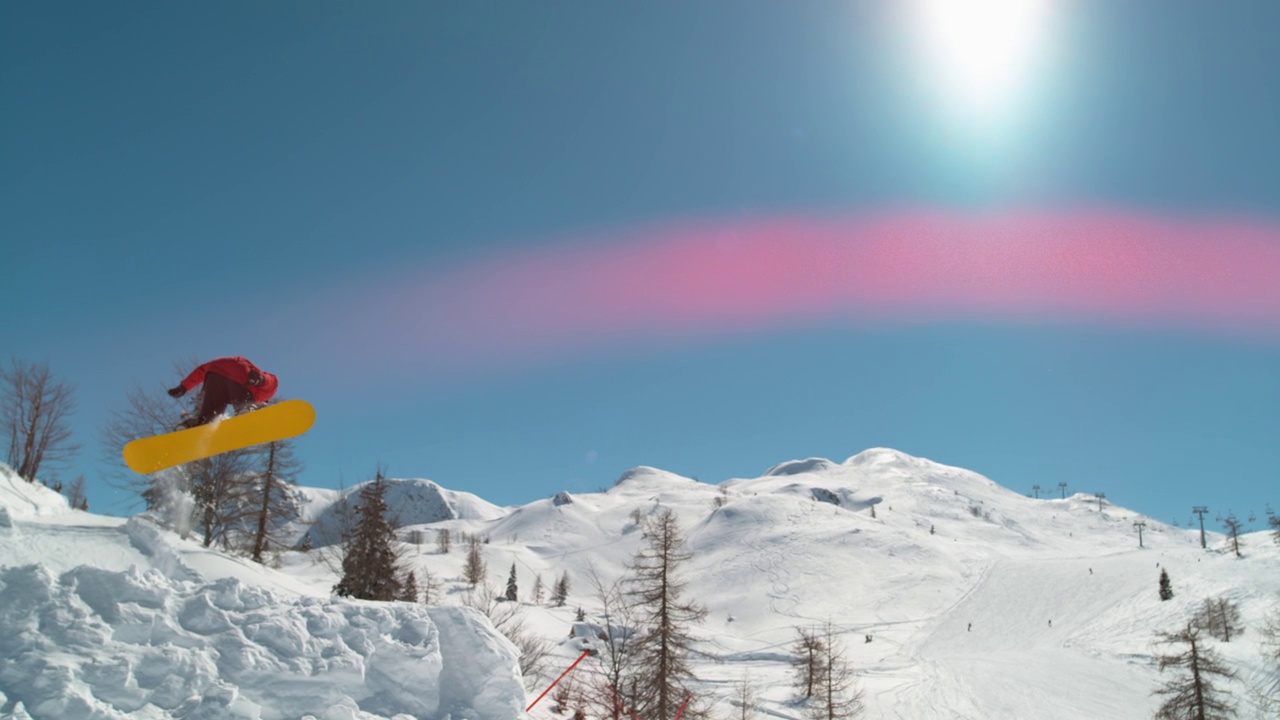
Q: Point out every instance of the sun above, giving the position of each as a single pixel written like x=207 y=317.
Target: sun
x=982 y=51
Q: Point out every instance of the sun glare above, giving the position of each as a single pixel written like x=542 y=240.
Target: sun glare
x=982 y=50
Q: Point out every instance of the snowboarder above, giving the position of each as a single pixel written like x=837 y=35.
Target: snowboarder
x=227 y=381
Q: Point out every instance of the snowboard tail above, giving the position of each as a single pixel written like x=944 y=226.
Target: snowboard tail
x=279 y=421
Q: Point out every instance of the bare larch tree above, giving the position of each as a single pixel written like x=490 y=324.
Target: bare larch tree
x=275 y=502
x=836 y=696
x=224 y=502
x=35 y=416
x=1267 y=687
x=807 y=657
x=1220 y=617
x=509 y=618
x=475 y=568
x=1233 y=526
x=664 y=644
x=1192 y=695
x=617 y=655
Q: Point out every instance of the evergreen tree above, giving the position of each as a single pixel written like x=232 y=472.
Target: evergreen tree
x=75 y=495
x=664 y=644
x=369 y=567
x=409 y=588
x=512 y=591
x=560 y=592
x=538 y=590
x=1193 y=696
x=442 y=541
x=1166 y=587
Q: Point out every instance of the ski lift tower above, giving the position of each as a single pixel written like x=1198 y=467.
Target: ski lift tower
x=1201 y=510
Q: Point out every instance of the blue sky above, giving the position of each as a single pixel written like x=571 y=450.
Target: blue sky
x=308 y=185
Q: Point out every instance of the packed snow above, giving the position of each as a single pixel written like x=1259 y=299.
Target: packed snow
x=955 y=598
x=108 y=618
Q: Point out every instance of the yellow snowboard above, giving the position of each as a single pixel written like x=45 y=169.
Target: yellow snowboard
x=278 y=421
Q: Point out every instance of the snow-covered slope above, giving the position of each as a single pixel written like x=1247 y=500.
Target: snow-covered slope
x=106 y=618
x=955 y=579
x=955 y=598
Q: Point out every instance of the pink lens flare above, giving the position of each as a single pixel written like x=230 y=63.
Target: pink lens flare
x=684 y=280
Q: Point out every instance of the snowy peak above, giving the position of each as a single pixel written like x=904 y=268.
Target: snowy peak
x=410 y=501
x=647 y=479
x=800 y=467
x=888 y=458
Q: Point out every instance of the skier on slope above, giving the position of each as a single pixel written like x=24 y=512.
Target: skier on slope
x=227 y=381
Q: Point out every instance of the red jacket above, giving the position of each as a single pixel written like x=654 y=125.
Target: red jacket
x=237 y=370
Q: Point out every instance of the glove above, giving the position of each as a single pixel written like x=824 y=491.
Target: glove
x=177 y=392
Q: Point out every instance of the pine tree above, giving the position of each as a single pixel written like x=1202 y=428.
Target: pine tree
x=560 y=592
x=1166 y=587
x=664 y=644
x=538 y=590
x=75 y=495
x=1193 y=696
x=442 y=541
x=512 y=591
x=369 y=567
x=409 y=588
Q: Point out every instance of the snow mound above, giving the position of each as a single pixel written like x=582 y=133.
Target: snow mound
x=22 y=499
x=799 y=467
x=95 y=643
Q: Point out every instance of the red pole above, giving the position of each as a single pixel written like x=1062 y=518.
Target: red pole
x=687 y=698
x=557 y=682
x=617 y=701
